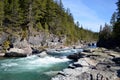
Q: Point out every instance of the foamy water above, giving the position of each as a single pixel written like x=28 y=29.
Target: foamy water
x=29 y=63
x=33 y=67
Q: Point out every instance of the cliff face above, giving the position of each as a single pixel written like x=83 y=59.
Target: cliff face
x=46 y=40
x=41 y=40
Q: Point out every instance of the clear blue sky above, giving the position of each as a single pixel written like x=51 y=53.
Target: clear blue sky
x=91 y=13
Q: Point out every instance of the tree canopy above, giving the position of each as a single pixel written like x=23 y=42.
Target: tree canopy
x=41 y=15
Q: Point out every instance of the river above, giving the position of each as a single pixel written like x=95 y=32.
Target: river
x=34 y=67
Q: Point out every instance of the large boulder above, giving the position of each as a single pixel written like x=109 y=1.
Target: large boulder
x=16 y=52
x=74 y=56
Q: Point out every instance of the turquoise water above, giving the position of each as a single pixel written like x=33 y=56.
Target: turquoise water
x=34 y=67
x=31 y=68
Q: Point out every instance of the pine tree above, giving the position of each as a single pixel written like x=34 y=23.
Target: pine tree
x=1 y=12
x=113 y=19
x=12 y=13
x=118 y=11
x=116 y=27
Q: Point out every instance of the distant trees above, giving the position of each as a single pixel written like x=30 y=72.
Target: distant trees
x=116 y=33
x=105 y=36
x=113 y=19
x=116 y=27
x=109 y=37
x=105 y=33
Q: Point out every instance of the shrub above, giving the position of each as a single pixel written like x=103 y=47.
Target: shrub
x=5 y=45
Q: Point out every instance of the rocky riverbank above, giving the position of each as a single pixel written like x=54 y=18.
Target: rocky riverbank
x=95 y=64
x=16 y=46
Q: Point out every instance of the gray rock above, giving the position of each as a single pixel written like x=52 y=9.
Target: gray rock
x=3 y=37
x=2 y=54
x=21 y=44
x=103 y=67
x=82 y=62
x=99 y=76
x=100 y=70
x=85 y=76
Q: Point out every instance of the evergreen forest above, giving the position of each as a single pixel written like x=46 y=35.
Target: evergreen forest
x=28 y=17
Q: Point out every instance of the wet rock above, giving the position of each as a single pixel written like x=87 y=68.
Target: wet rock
x=74 y=65
x=74 y=57
x=71 y=66
x=42 y=54
x=77 y=65
x=116 y=60
x=15 y=54
x=61 y=73
x=36 y=51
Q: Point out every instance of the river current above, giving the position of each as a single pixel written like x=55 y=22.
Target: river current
x=34 y=67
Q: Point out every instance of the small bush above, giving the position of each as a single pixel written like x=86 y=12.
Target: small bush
x=5 y=45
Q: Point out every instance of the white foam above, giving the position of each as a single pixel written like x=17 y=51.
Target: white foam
x=8 y=64
x=48 y=60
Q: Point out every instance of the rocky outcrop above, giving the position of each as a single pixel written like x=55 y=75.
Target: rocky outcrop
x=35 y=40
x=96 y=65
x=3 y=37
x=44 y=39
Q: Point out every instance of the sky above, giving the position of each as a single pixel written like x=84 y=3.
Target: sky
x=91 y=13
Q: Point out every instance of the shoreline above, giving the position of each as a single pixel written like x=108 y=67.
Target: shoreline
x=98 y=64
x=29 y=50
